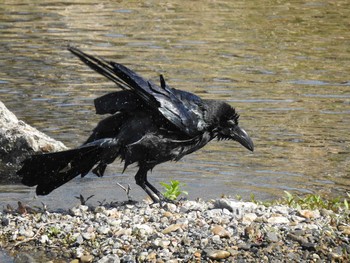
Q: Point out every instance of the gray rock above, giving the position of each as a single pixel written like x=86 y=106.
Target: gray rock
x=272 y=237
x=18 y=139
x=109 y=259
x=278 y=220
x=24 y=258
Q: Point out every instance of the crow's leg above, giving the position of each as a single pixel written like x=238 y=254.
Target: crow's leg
x=157 y=192
x=141 y=180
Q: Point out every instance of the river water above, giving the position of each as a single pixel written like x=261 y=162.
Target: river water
x=284 y=66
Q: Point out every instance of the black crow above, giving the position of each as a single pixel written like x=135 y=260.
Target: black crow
x=148 y=125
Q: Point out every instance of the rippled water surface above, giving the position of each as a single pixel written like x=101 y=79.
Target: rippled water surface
x=285 y=67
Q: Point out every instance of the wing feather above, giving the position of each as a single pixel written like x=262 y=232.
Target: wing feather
x=183 y=109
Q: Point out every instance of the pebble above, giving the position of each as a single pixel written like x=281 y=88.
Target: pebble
x=278 y=220
x=248 y=218
x=219 y=254
x=220 y=231
x=86 y=259
x=171 y=228
x=223 y=230
x=309 y=214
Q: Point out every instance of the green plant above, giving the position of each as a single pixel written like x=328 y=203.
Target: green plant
x=313 y=201
x=53 y=231
x=172 y=190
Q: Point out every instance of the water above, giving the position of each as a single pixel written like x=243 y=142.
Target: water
x=284 y=66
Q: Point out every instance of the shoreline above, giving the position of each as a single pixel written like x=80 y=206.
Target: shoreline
x=188 y=231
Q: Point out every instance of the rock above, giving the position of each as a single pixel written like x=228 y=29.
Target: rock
x=216 y=240
x=218 y=254
x=345 y=230
x=309 y=214
x=235 y=206
x=272 y=237
x=142 y=230
x=192 y=206
x=79 y=240
x=248 y=218
x=172 y=228
x=283 y=210
x=24 y=258
x=171 y=207
x=274 y=220
x=220 y=231
x=44 y=239
x=86 y=258
x=79 y=252
x=244 y=246
x=18 y=139
x=89 y=235
x=103 y=230
x=109 y=259
x=167 y=214
x=5 y=221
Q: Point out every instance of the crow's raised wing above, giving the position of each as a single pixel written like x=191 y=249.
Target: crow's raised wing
x=184 y=109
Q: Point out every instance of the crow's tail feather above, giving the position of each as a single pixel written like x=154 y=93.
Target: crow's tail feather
x=50 y=171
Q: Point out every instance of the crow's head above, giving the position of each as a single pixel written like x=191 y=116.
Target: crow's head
x=228 y=128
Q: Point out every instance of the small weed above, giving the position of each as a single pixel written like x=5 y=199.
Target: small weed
x=53 y=231
x=172 y=190
x=312 y=201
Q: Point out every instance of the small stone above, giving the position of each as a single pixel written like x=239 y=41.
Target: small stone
x=284 y=210
x=142 y=230
x=278 y=220
x=44 y=239
x=219 y=254
x=103 y=230
x=309 y=214
x=79 y=239
x=216 y=240
x=79 y=252
x=172 y=228
x=5 y=221
x=152 y=256
x=249 y=218
x=171 y=207
x=20 y=238
x=86 y=258
x=115 y=222
x=123 y=231
x=192 y=206
x=110 y=259
x=244 y=246
x=204 y=242
x=141 y=258
x=272 y=237
x=89 y=235
x=24 y=257
x=345 y=229
x=220 y=231
x=74 y=261
x=167 y=214
x=233 y=205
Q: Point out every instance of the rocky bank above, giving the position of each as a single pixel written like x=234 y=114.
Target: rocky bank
x=223 y=230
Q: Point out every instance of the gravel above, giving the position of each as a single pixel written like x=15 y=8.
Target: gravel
x=223 y=230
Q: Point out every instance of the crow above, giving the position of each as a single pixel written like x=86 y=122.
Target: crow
x=147 y=124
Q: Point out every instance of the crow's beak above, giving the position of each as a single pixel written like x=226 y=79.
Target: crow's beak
x=243 y=138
